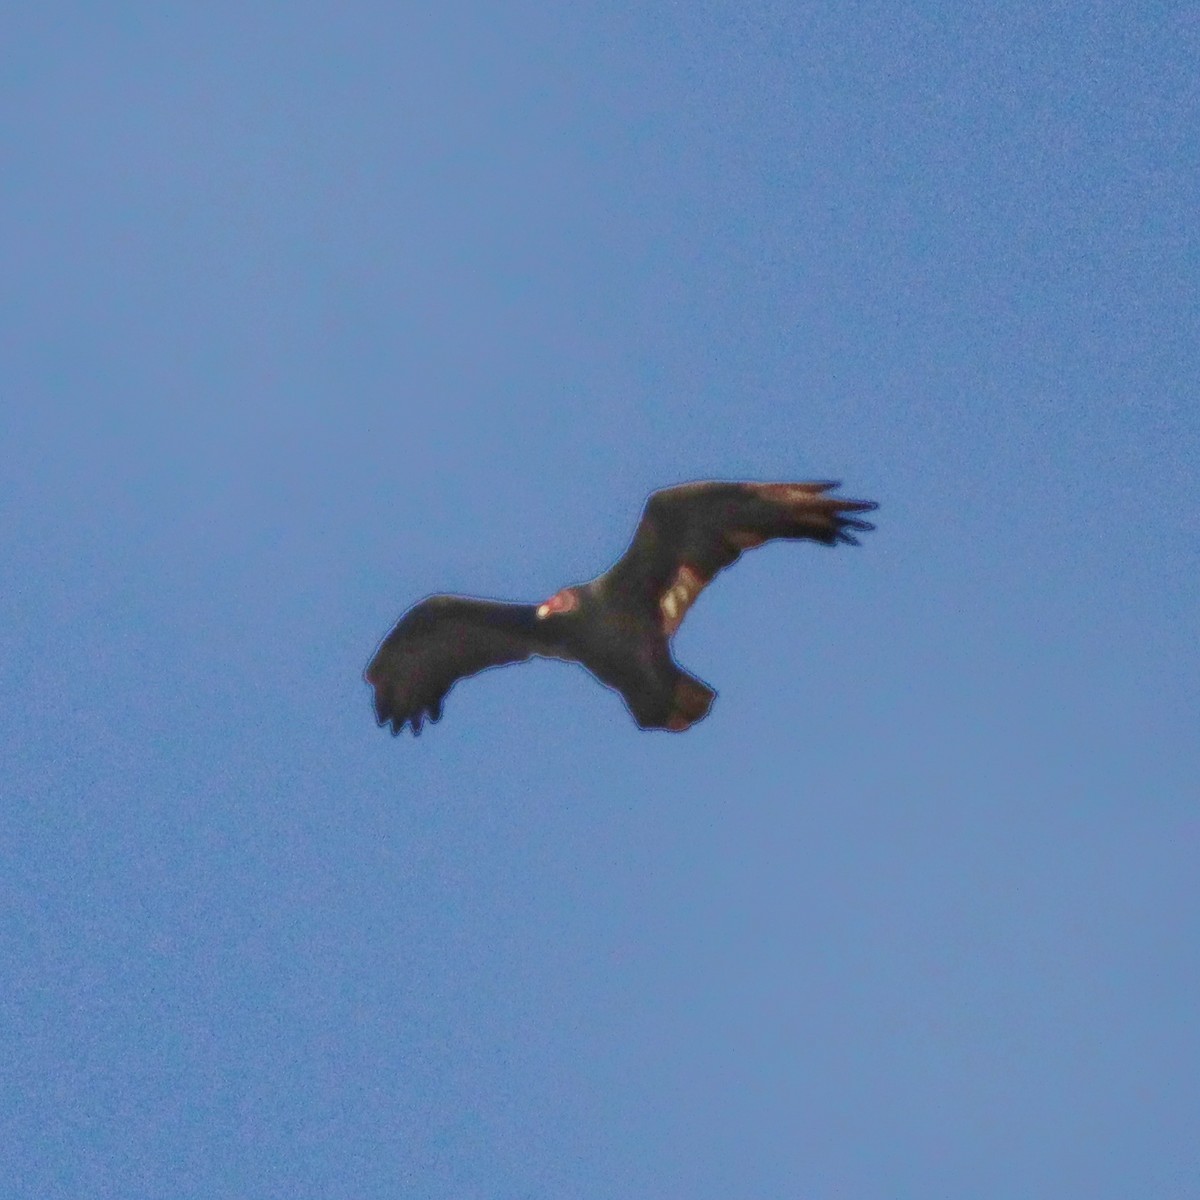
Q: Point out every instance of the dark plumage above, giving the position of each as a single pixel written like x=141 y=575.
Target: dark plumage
x=619 y=626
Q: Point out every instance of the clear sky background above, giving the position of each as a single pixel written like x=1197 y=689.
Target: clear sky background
x=310 y=309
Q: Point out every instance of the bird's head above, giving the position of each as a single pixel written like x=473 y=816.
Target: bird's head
x=564 y=601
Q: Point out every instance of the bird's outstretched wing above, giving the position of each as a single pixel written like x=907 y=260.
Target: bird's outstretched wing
x=690 y=532
x=440 y=641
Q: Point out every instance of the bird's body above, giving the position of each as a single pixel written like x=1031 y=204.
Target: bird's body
x=619 y=626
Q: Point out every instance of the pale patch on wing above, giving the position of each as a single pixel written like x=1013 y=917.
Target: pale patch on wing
x=679 y=597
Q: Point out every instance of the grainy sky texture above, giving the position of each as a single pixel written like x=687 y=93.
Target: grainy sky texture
x=310 y=309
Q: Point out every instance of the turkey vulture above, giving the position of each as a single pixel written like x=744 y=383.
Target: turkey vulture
x=619 y=626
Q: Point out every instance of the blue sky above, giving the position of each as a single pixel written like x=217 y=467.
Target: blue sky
x=312 y=309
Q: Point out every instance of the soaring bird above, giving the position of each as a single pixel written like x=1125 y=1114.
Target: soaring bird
x=620 y=625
